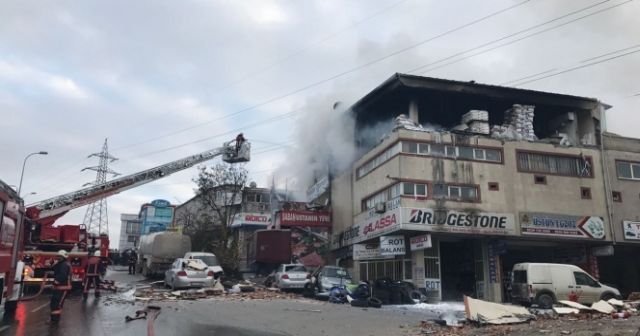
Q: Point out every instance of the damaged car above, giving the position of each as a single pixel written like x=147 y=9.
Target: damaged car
x=189 y=273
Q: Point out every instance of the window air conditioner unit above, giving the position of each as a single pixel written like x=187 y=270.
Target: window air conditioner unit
x=380 y=207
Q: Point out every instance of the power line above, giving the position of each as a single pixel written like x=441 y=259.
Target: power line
x=341 y=74
x=516 y=81
x=518 y=33
x=578 y=67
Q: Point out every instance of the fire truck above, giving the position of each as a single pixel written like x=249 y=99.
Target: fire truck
x=41 y=239
x=11 y=228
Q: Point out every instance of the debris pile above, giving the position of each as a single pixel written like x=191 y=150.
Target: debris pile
x=518 y=124
x=504 y=319
x=242 y=290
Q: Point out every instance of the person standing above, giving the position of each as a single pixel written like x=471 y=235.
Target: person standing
x=92 y=275
x=133 y=259
x=61 y=285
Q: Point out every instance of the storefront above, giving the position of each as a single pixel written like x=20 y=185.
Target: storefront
x=452 y=253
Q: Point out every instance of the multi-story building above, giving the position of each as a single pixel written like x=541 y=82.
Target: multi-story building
x=441 y=199
x=156 y=216
x=129 y=231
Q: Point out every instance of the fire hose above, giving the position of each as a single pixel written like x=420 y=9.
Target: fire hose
x=42 y=285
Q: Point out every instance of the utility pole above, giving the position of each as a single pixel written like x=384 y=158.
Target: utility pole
x=97 y=217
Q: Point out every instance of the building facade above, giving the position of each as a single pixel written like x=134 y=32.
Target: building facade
x=453 y=205
x=156 y=216
x=129 y=231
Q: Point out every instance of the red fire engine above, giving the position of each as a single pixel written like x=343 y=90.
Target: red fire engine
x=32 y=242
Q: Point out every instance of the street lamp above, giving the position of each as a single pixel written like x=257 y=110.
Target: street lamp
x=24 y=163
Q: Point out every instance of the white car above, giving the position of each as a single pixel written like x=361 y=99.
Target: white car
x=545 y=284
x=291 y=276
x=186 y=273
x=208 y=258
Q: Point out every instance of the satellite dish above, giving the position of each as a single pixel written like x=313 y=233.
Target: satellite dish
x=253 y=185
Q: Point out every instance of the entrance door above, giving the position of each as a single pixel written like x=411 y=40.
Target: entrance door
x=458 y=268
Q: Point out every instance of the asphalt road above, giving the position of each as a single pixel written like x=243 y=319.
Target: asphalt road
x=219 y=316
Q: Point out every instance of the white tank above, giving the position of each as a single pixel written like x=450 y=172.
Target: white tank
x=168 y=245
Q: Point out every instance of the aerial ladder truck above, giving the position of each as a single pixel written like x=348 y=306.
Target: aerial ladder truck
x=42 y=239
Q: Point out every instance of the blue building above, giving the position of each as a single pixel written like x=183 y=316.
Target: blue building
x=156 y=216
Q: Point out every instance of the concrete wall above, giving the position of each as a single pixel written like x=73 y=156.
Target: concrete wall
x=517 y=190
x=625 y=149
x=341 y=202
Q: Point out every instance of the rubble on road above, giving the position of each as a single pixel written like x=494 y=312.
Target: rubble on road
x=485 y=312
x=235 y=291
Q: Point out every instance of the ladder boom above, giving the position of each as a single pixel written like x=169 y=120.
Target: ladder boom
x=57 y=206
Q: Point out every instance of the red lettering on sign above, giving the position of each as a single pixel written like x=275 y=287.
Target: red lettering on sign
x=380 y=224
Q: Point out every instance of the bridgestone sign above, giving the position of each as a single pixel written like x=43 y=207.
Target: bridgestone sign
x=458 y=221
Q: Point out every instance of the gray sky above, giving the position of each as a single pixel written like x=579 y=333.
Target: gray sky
x=155 y=77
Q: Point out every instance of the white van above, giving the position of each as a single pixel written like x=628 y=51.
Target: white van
x=545 y=284
x=209 y=258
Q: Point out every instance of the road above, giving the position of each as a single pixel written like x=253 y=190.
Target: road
x=106 y=316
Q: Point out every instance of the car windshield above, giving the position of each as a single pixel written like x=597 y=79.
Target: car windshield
x=209 y=260
x=336 y=273
x=295 y=268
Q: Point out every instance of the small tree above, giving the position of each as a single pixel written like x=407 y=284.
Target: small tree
x=220 y=191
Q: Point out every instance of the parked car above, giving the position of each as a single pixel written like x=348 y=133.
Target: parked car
x=544 y=284
x=186 y=273
x=327 y=277
x=291 y=276
x=208 y=258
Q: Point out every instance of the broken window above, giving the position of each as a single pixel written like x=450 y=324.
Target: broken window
x=465 y=153
x=378 y=160
x=628 y=170
x=440 y=190
x=451 y=151
x=554 y=164
x=423 y=148
x=437 y=150
x=617 y=196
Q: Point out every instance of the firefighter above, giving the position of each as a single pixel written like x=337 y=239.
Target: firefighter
x=61 y=285
x=133 y=259
x=239 y=140
x=92 y=275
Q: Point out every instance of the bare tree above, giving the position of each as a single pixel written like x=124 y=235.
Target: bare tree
x=220 y=191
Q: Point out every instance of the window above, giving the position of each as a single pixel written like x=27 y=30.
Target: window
x=617 y=196
x=493 y=155
x=164 y=212
x=394 y=269
x=378 y=160
x=437 y=150
x=409 y=147
x=582 y=279
x=423 y=149
x=554 y=164
x=455 y=192
x=628 y=170
x=465 y=153
x=494 y=186
x=478 y=154
x=539 y=179
x=520 y=277
x=131 y=239
x=451 y=151
x=414 y=189
x=382 y=196
x=585 y=192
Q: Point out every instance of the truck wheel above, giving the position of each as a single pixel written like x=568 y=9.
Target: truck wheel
x=545 y=300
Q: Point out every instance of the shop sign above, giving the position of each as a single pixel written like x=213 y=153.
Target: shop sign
x=318 y=189
x=160 y=203
x=432 y=284
x=305 y=218
x=392 y=245
x=368 y=252
x=420 y=242
x=631 y=230
x=391 y=204
x=602 y=251
x=590 y=227
x=247 y=218
x=458 y=221
x=376 y=226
